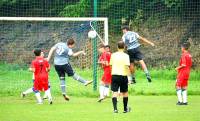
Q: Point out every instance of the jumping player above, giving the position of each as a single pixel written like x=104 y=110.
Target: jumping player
x=61 y=62
x=131 y=40
x=120 y=63
x=104 y=60
x=40 y=67
x=183 y=70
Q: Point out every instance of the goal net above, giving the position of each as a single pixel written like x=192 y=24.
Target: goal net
x=21 y=35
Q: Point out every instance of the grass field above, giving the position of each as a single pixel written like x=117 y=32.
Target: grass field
x=149 y=102
x=144 y=108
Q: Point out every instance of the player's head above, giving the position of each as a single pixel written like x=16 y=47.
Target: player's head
x=120 y=45
x=37 y=52
x=101 y=48
x=185 y=46
x=107 y=48
x=125 y=29
x=70 y=43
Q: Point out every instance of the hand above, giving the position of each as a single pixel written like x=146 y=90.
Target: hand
x=83 y=52
x=177 y=68
x=152 y=44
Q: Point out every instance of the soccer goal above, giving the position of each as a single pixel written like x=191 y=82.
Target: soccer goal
x=20 y=35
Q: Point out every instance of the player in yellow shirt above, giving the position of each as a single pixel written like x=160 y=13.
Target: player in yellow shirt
x=120 y=63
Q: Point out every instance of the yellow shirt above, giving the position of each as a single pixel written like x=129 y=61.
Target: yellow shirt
x=120 y=63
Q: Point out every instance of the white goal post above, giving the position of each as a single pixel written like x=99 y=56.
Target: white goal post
x=103 y=19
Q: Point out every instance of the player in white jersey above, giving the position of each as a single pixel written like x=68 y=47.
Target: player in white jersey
x=62 y=66
x=131 y=40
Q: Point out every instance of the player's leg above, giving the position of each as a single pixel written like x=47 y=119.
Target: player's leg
x=144 y=67
x=48 y=93
x=101 y=91
x=60 y=69
x=184 y=92
x=45 y=96
x=131 y=78
x=131 y=54
x=75 y=76
x=124 y=91
x=114 y=88
x=28 y=91
x=179 y=92
x=37 y=95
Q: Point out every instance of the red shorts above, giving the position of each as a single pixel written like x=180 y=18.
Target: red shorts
x=40 y=85
x=181 y=83
x=106 y=78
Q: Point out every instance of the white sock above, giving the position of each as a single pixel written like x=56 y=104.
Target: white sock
x=48 y=93
x=101 y=91
x=106 y=91
x=30 y=90
x=184 y=93
x=39 y=100
x=179 y=95
x=130 y=78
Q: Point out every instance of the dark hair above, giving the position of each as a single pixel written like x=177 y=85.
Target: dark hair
x=120 y=45
x=186 y=45
x=125 y=27
x=70 y=41
x=37 y=52
x=107 y=46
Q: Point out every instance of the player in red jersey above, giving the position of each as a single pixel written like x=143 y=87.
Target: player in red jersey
x=183 y=74
x=104 y=60
x=40 y=67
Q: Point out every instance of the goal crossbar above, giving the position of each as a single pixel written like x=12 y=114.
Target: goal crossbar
x=104 y=19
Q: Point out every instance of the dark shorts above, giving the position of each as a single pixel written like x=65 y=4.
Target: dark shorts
x=62 y=69
x=119 y=81
x=135 y=55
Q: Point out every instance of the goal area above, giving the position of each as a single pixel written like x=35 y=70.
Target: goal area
x=21 y=35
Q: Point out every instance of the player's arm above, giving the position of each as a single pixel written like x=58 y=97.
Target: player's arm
x=180 y=67
x=70 y=53
x=146 y=41
x=51 y=52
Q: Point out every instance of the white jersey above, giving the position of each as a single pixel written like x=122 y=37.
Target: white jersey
x=131 y=40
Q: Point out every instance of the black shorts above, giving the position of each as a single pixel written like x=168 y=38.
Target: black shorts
x=119 y=81
x=62 y=69
x=135 y=55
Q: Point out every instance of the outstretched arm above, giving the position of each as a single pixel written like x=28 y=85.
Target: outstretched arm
x=146 y=41
x=78 y=53
x=50 y=53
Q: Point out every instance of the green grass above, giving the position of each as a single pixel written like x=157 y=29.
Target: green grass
x=144 y=108
x=14 y=79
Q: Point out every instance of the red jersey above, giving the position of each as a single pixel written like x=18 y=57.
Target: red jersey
x=184 y=73
x=41 y=73
x=105 y=57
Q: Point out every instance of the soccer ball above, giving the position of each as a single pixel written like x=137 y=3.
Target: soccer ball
x=92 y=34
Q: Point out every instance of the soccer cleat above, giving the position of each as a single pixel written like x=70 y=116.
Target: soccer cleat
x=50 y=102
x=179 y=103
x=128 y=110
x=185 y=103
x=23 y=95
x=66 y=97
x=44 y=98
x=148 y=78
x=88 y=82
x=115 y=111
x=133 y=80
x=101 y=99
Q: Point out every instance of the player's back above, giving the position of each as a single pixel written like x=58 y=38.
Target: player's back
x=41 y=69
x=120 y=62
x=186 y=59
x=131 y=39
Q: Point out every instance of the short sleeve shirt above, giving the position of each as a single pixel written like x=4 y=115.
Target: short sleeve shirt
x=131 y=40
x=120 y=63
x=105 y=56
x=40 y=65
x=62 y=54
